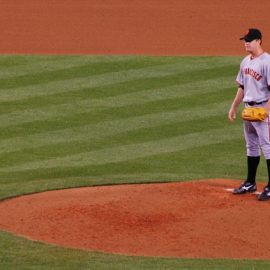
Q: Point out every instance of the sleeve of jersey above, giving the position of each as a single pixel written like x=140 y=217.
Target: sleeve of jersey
x=239 y=78
x=267 y=71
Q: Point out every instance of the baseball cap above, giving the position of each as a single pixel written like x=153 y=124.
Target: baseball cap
x=252 y=34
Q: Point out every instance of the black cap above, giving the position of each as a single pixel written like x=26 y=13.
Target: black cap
x=252 y=34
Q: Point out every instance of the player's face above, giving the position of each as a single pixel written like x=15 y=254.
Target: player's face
x=252 y=45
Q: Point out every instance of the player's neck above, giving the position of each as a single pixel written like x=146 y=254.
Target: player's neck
x=256 y=53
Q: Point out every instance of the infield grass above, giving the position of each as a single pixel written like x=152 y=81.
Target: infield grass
x=69 y=121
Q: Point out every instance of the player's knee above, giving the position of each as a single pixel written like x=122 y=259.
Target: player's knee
x=266 y=150
x=253 y=150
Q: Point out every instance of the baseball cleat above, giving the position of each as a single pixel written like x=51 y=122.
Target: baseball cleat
x=265 y=195
x=246 y=187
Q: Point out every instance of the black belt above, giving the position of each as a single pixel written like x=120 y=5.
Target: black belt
x=252 y=103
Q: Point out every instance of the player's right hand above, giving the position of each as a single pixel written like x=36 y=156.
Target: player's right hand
x=232 y=114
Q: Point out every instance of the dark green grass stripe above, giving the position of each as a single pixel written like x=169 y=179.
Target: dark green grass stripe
x=20 y=61
x=67 y=112
x=113 y=90
x=43 y=75
x=191 y=161
x=124 y=138
x=87 y=104
x=94 y=117
x=27 y=65
x=151 y=78
x=133 y=151
x=111 y=96
x=73 y=72
x=109 y=128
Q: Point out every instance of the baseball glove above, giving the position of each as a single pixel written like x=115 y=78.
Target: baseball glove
x=254 y=114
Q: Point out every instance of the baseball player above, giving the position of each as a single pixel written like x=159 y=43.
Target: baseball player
x=253 y=90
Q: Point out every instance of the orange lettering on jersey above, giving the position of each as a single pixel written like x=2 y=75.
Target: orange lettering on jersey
x=252 y=73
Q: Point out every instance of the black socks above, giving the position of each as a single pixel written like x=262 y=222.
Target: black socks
x=268 y=169
x=252 y=164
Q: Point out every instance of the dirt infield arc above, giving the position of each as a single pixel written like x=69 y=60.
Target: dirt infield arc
x=197 y=219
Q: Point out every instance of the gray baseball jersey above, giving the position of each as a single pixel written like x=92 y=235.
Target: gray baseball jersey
x=254 y=76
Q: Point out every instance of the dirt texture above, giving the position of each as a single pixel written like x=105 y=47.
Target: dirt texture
x=152 y=27
x=197 y=219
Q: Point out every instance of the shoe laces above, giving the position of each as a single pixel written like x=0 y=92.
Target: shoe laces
x=246 y=183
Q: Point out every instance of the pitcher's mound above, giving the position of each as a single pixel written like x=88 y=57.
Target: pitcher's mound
x=188 y=219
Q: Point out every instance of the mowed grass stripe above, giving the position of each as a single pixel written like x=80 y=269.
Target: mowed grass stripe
x=109 y=128
x=192 y=163
x=133 y=85
x=163 y=74
x=104 y=117
x=19 y=62
x=17 y=66
x=91 y=104
x=133 y=135
x=165 y=102
x=117 y=90
x=68 y=73
x=133 y=151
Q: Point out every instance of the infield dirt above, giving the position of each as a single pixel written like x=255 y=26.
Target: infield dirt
x=151 y=27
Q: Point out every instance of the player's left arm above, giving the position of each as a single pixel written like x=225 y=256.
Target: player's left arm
x=267 y=74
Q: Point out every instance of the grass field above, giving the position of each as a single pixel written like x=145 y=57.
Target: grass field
x=69 y=121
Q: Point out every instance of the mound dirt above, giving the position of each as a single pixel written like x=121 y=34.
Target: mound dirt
x=197 y=219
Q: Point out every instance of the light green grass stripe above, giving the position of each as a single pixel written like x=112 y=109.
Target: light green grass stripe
x=44 y=64
x=88 y=105
x=110 y=128
x=133 y=151
x=63 y=86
